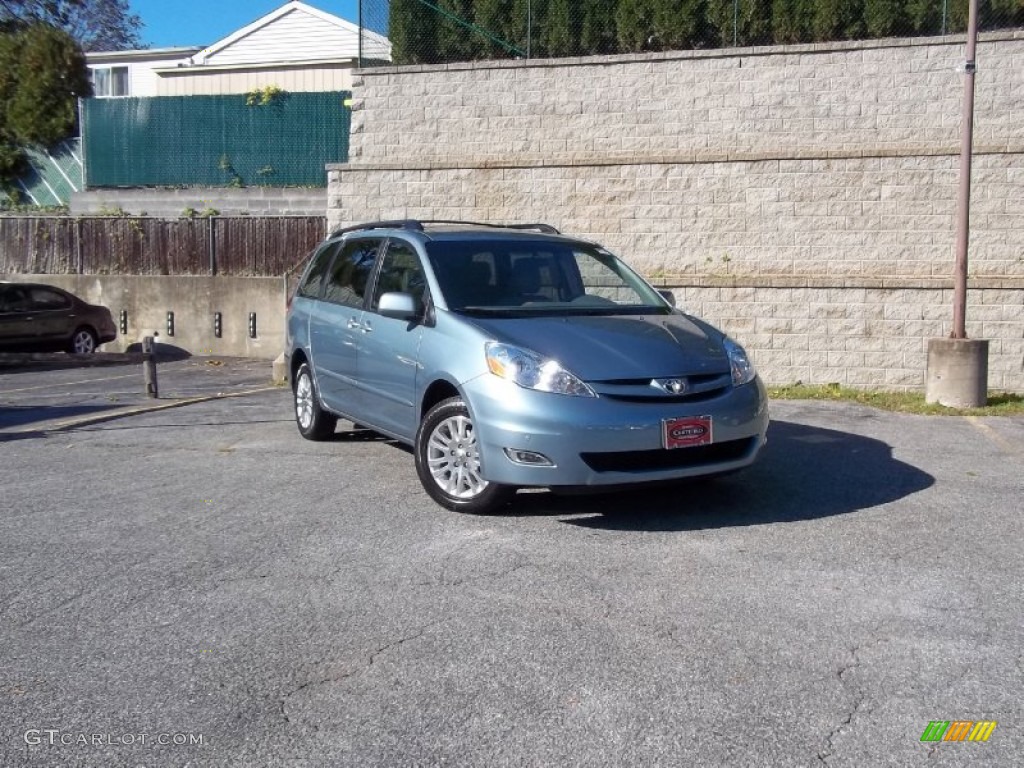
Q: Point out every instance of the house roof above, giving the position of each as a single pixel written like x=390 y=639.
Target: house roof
x=291 y=7
x=146 y=54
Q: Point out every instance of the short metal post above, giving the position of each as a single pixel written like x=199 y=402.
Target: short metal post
x=149 y=367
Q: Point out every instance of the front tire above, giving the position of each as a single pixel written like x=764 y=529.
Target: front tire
x=313 y=421
x=448 y=461
x=83 y=342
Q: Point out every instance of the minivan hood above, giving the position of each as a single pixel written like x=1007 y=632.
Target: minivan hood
x=620 y=347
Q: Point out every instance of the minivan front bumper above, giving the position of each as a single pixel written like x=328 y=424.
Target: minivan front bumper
x=598 y=441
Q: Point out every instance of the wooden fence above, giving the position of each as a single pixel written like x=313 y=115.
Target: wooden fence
x=126 y=245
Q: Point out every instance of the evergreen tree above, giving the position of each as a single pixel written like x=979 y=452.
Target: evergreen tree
x=884 y=18
x=679 y=24
x=838 y=20
x=42 y=74
x=412 y=28
x=634 y=23
x=740 y=22
x=456 y=40
x=597 y=26
x=500 y=20
x=561 y=36
x=792 y=20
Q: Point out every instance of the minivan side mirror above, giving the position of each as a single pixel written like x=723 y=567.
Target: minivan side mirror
x=401 y=306
x=668 y=296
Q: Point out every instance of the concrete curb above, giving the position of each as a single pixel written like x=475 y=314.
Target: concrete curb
x=99 y=418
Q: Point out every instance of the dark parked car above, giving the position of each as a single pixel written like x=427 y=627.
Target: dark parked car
x=42 y=318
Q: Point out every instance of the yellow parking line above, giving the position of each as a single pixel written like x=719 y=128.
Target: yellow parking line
x=995 y=437
x=98 y=418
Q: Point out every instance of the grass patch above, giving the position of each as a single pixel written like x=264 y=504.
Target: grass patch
x=999 y=403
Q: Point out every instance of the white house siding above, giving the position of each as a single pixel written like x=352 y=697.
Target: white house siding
x=195 y=81
x=295 y=36
x=142 y=80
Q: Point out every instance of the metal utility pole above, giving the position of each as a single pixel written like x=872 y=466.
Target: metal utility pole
x=963 y=214
x=957 y=373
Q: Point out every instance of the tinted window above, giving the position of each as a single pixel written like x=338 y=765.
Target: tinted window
x=350 y=272
x=310 y=286
x=45 y=298
x=13 y=299
x=400 y=270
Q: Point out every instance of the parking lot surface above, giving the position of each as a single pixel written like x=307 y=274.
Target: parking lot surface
x=199 y=586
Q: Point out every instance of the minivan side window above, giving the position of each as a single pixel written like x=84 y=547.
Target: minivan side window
x=400 y=270
x=310 y=287
x=350 y=272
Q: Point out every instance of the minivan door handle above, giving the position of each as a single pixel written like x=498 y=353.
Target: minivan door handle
x=353 y=323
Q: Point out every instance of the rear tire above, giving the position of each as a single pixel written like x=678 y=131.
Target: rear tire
x=83 y=342
x=313 y=421
x=448 y=461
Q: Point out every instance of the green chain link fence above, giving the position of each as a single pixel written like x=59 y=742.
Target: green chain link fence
x=439 y=31
x=273 y=139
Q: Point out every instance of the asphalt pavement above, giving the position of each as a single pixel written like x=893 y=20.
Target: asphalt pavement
x=200 y=586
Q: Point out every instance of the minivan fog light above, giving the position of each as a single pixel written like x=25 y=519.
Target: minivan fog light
x=531 y=458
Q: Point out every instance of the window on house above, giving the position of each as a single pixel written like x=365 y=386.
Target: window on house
x=110 y=81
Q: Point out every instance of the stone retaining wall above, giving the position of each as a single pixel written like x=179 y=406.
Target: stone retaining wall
x=802 y=197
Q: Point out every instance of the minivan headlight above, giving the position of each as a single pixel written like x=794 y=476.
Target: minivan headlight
x=742 y=369
x=532 y=371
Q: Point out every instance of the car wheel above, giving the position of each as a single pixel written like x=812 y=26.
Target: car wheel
x=83 y=342
x=314 y=422
x=448 y=461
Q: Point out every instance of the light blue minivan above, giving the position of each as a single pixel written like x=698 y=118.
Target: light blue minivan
x=512 y=356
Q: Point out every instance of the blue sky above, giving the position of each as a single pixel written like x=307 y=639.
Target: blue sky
x=170 y=23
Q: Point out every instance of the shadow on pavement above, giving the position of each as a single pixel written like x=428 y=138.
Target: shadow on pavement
x=31 y=362
x=162 y=353
x=20 y=415
x=804 y=473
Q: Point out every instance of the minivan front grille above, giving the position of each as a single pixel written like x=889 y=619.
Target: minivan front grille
x=698 y=388
x=677 y=458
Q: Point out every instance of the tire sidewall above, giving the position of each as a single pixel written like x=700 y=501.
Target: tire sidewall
x=321 y=424
x=488 y=500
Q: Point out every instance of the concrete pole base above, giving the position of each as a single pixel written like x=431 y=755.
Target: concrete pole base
x=279 y=374
x=957 y=375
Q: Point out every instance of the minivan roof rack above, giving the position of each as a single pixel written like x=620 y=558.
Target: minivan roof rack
x=393 y=224
x=418 y=226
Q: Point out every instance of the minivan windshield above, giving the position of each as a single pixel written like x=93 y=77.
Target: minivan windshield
x=519 y=277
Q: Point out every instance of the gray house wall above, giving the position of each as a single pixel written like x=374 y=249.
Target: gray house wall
x=801 y=197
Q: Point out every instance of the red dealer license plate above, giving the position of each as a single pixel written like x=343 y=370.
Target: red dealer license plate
x=686 y=432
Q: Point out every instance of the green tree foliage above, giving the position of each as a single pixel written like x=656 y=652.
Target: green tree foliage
x=634 y=23
x=885 y=18
x=597 y=26
x=97 y=25
x=412 y=32
x=42 y=74
x=423 y=31
x=739 y=22
x=838 y=20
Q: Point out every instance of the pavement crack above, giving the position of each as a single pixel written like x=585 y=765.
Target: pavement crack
x=371 y=659
x=400 y=642
x=858 y=695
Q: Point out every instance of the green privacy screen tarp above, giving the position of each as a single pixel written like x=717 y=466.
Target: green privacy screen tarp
x=214 y=140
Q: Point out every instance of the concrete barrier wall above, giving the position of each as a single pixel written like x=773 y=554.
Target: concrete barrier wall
x=802 y=197
x=173 y=203
x=193 y=300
